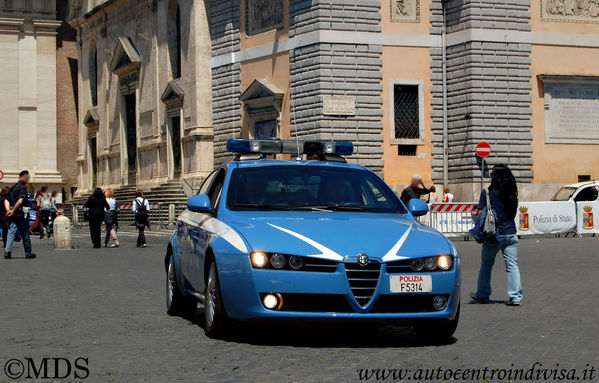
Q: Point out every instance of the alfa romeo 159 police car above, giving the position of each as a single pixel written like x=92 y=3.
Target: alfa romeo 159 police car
x=310 y=238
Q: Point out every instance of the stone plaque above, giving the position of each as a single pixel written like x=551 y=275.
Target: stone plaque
x=405 y=10
x=339 y=105
x=572 y=112
x=585 y=11
x=263 y=15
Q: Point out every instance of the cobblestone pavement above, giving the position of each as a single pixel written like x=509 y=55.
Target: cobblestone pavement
x=108 y=305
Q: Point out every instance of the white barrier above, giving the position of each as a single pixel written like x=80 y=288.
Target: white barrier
x=586 y=220
x=551 y=217
x=451 y=219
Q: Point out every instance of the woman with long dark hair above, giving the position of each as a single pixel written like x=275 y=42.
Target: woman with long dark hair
x=96 y=205
x=503 y=194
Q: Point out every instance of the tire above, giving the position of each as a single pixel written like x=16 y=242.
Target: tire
x=437 y=331
x=176 y=303
x=215 y=317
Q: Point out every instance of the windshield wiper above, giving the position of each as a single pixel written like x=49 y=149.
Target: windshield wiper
x=258 y=206
x=338 y=208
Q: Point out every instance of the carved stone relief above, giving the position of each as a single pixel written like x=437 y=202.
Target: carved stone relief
x=264 y=15
x=584 y=11
x=405 y=10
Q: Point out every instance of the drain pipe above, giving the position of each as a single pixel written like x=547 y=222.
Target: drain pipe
x=444 y=74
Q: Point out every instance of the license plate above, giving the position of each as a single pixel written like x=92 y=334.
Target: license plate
x=411 y=283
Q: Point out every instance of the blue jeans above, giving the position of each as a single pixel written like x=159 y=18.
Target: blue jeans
x=508 y=244
x=18 y=225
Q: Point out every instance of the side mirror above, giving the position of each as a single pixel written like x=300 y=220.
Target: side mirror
x=200 y=204
x=417 y=207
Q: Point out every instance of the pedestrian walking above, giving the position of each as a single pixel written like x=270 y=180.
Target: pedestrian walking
x=3 y=217
x=432 y=197
x=44 y=203
x=141 y=209
x=447 y=196
x=16 y=199
x=96 y=205
x=415 y=190
x=502 y=201
x=111 y=220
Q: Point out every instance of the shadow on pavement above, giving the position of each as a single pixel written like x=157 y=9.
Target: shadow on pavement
x=320 y=335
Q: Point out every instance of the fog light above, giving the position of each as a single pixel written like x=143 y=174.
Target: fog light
x=440 y=302
x=417 y=264
x=296 y=262
x=430 y=263
x=259 y=259
x=444 y=262
x=277 y=261
x=271 y=301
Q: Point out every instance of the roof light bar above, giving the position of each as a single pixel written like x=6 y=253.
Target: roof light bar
x=341 y=148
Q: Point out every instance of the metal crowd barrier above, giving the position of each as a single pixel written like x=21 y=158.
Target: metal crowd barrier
x=451 y=219
x=126 y=216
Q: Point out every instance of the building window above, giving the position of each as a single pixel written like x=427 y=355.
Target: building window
x=93 y=72
x=407 y=113
x=174 y=38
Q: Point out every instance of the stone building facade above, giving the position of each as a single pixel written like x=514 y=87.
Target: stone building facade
x=418 y=84
x=414 y=84
x=28 y=125
x=145 y=103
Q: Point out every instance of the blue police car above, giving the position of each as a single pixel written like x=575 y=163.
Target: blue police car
x=308 y=238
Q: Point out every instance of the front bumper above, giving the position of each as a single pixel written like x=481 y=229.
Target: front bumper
x=325 y=296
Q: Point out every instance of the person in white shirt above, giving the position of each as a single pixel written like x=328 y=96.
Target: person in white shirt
x=448 y=197
x=432 y=198
x=111 y=220
x=141 y=209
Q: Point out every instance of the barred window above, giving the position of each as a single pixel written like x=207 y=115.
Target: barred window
x=406 y=111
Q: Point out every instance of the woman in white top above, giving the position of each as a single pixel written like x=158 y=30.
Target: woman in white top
x=448 y=197
x=141 y=209
x=111 y=219
x=432 y=197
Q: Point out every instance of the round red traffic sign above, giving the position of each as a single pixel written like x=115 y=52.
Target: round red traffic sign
x=1 y=175
x=483 y=149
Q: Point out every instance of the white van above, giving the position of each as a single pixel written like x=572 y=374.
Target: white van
x=580 y=191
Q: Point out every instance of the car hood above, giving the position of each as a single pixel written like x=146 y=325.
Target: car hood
x=339 y=236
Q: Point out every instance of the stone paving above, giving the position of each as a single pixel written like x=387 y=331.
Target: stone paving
x=107 y=305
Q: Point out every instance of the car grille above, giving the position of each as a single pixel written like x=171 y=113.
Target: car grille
x=319 y=265
x=417 y=303
x=363 y=280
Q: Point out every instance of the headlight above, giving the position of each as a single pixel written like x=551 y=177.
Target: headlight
x=259 y=259
x=430 y=263
x=444 y=262
x=296 y=262
x=277 y=261
x=417 y=264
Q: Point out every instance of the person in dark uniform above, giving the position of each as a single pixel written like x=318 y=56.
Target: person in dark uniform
x=415 y=190
x=18 y=224
x=3 y=217
x=97 y=206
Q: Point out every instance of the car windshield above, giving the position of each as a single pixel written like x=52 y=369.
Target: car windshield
x=564 y=194
x=310 y=188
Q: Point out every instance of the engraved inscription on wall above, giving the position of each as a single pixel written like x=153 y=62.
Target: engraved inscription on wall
x=405 y=10
x=570 y=10
x=339 y=105
x=572 y=113
x=264 y=15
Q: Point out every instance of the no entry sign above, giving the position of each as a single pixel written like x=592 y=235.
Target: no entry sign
x=483 y=149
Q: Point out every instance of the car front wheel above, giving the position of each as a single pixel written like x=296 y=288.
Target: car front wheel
x=438 y=331
x=216 y=319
